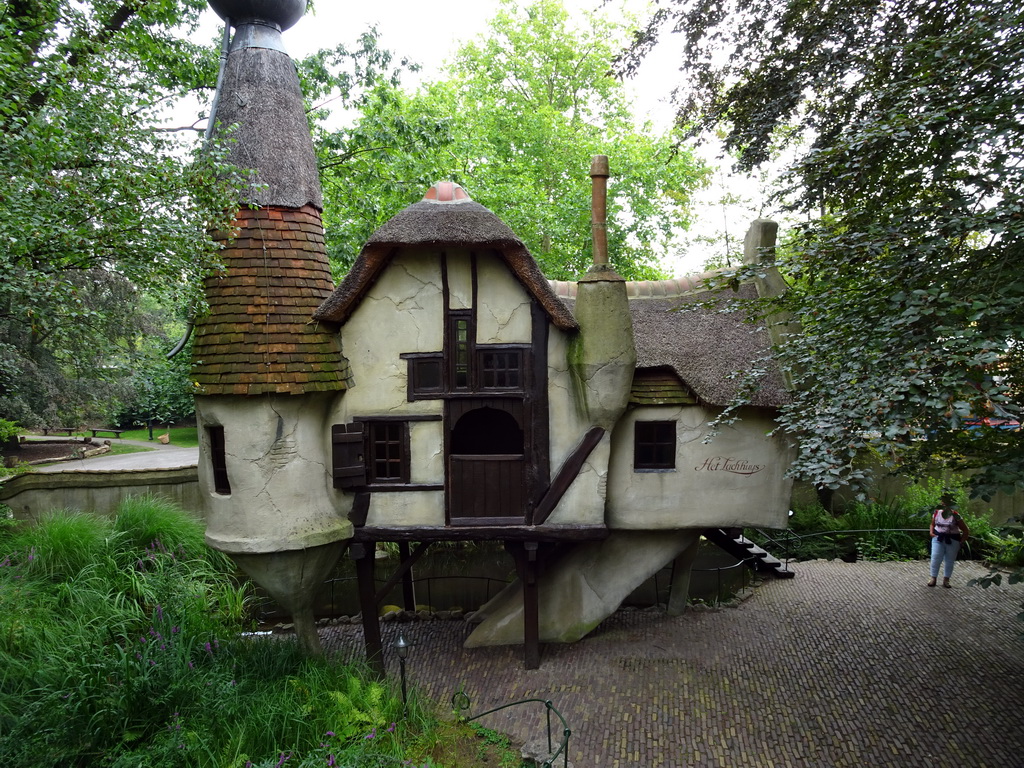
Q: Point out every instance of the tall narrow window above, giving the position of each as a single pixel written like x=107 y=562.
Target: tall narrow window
x=460 y=353
x=654 y=445
x=388 y=451
x=218 y=460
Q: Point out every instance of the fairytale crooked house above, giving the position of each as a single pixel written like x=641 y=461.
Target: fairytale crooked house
x=445 y=390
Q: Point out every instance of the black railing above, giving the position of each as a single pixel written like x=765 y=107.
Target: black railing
x=787 y=543
x=461 y=703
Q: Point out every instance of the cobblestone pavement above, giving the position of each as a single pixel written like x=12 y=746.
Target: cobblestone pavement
x=846 y=665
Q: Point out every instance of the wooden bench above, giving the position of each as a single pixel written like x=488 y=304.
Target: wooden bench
x=114 y=432
x=65 y=430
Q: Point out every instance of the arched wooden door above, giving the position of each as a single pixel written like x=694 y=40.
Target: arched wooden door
x=486 y=463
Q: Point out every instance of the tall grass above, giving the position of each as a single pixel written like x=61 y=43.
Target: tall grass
x=120 y=646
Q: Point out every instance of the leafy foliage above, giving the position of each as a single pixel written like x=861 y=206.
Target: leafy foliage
x=516 y=122
x=100 y=201
x=117 y=648
x=905 y=275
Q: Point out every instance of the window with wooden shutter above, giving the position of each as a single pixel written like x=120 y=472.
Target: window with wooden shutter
x=348 y=466
x=388 y=448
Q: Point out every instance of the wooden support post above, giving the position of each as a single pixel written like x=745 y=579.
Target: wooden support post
x=364 y=555
x=525 y=554
x=408 y=589
x=531 y=609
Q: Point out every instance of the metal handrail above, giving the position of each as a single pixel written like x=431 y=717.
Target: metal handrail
x=461 y=702
x=789 y=537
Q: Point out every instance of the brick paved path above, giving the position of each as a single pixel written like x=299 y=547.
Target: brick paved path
x=847 y=665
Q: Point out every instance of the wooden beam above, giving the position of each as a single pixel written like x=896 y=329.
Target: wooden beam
x=404 y=567
x=360 y=509
x=566 y=474
x=525 y=555
x=363 y=554
x=482 y=533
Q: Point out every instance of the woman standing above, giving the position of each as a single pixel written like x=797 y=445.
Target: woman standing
x=948 y=532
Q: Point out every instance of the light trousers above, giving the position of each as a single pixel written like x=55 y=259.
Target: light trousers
x=944 y=553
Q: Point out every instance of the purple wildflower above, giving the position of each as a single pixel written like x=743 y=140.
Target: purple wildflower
x=372 y=734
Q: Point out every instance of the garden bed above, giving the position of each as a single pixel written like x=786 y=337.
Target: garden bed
x=41 y=451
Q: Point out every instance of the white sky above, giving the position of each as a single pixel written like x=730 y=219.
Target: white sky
x=429 y=33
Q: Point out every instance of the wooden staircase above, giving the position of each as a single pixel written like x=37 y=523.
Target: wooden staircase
x=739 y=546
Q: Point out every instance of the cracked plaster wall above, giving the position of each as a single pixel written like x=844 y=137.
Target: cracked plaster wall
x=277 y=450
x=584 y=502
x=503 y=316
x=738 y=479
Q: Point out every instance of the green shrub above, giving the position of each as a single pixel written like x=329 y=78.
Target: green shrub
x=9 y=430
x=120 y=652
x=1005 y=549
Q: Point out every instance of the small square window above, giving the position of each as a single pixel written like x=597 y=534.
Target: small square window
x=426 y=376
x=502 y=369
x=654 y=445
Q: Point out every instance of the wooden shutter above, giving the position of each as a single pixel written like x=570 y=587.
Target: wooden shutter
x=348 y=466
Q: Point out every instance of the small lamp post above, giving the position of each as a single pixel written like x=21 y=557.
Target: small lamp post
x=402 y=648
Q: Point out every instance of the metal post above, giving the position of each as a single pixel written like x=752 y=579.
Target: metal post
x=402 y=648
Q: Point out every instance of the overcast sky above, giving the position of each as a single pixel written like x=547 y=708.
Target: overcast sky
x=430 y=33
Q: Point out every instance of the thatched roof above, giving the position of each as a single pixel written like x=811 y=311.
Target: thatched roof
x=709 y=347
x=445 y=219
x=262 y=104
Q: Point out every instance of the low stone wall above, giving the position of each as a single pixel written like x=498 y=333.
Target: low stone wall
x=36 y=493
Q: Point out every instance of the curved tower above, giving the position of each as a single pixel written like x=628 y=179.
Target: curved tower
x=262 y=368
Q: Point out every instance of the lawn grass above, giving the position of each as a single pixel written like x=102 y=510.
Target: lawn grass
x=183 y=437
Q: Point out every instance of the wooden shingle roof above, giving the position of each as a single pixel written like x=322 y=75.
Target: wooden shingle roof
x=258 y=337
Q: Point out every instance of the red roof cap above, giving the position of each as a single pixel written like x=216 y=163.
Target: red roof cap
x=446 y=192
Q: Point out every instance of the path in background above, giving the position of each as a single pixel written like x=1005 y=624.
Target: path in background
x=847 y=665
x=161 y=457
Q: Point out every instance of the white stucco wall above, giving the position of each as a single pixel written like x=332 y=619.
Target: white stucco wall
x=584 y=502
x=278 y=464
x=503 y=316
x=403 y=312
x=738 y=479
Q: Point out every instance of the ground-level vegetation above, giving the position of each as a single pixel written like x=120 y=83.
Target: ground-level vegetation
x=894 y=528
x=123 y=642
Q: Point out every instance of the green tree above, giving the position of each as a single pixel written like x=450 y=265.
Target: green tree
x=516 y=121
x=906 y=275
x=100 y=202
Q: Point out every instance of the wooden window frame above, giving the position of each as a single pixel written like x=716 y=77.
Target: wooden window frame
x=387 y=434
x=651 y=441
x=461 y=351
x=521 y=354
x=415 y=388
